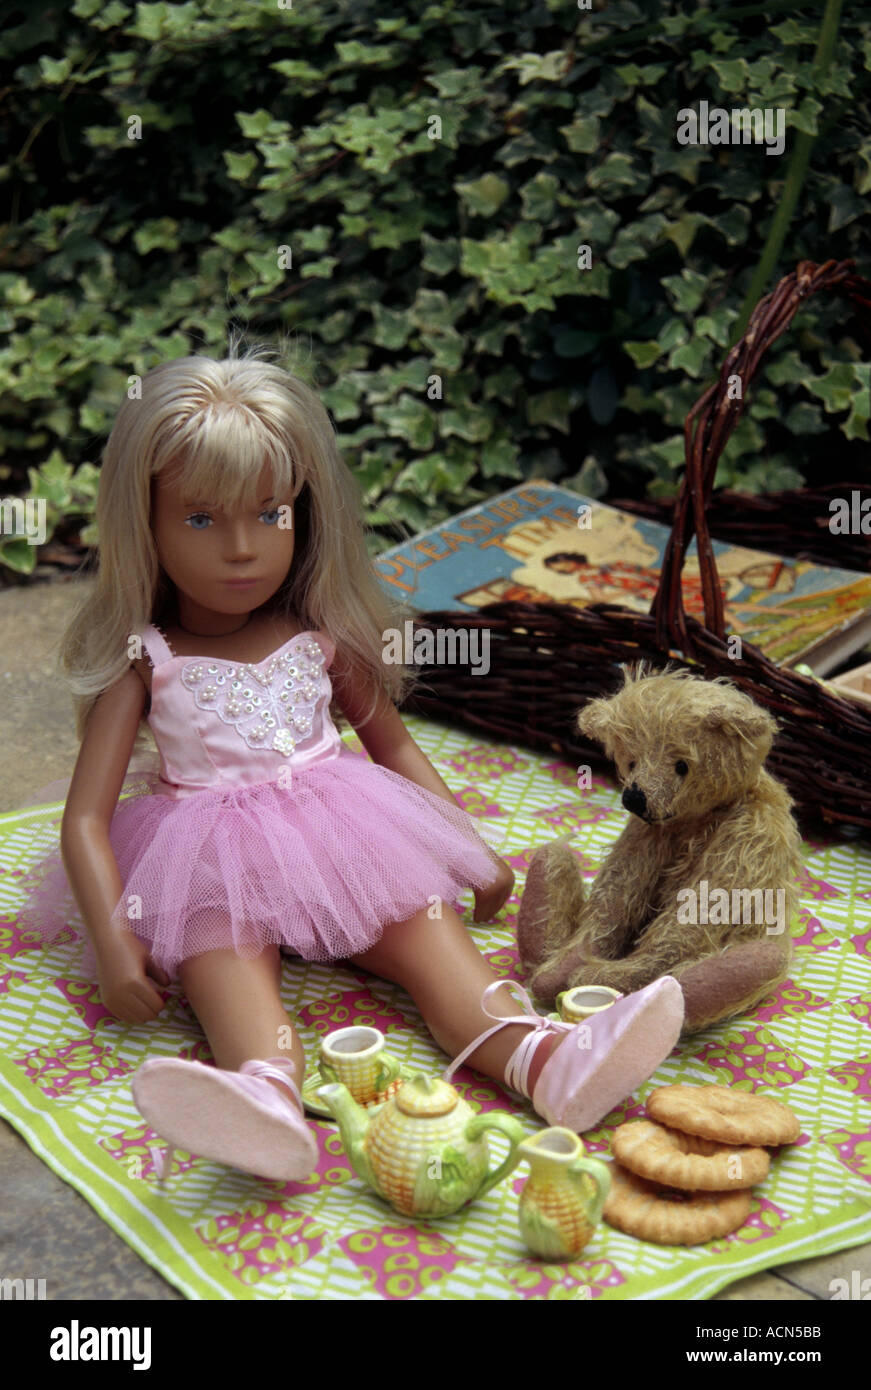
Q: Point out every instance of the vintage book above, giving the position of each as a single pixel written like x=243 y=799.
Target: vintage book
x=542 y=543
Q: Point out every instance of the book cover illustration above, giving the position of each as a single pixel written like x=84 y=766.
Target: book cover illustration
x=542 y=543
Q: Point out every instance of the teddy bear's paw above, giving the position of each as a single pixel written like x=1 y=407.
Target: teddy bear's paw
x=563 y=970
x=553 y=898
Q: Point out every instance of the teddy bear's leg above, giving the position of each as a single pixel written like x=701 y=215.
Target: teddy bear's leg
x=573 y=966
x=552 y=903
x=726 y=985
x=660 y=950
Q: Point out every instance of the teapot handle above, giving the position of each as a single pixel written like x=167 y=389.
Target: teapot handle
x=513 y=1131
x=601 y=1175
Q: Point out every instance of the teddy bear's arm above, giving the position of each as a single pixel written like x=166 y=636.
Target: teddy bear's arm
x=563 y=930
x=623 y=894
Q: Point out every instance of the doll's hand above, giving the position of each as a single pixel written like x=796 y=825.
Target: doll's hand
x=124 y=966
x=489 y=900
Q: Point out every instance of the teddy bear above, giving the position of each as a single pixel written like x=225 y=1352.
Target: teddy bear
x=700 y=884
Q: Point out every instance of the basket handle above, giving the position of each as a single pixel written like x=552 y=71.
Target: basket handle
x=715 y=415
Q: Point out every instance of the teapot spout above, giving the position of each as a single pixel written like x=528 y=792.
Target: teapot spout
x=353 y=1121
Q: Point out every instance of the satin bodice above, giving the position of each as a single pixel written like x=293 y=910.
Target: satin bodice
x=221 y=723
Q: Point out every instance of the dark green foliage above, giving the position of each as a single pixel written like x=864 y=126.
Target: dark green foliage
x=309 y=128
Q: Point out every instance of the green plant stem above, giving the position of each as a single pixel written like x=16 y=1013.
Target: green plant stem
x=795 y=176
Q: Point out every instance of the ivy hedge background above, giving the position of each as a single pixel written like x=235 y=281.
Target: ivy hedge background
x=164 y=162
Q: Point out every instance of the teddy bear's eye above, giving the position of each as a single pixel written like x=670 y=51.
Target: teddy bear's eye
x=631 y=765
x=681 y=768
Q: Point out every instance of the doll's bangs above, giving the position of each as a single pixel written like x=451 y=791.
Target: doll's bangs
x=222 y=458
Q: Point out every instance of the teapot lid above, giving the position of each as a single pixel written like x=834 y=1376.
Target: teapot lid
x=425 y=1096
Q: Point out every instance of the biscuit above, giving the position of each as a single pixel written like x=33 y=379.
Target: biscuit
x=673 y=1159
x=667 y=1217
x=725 y=1115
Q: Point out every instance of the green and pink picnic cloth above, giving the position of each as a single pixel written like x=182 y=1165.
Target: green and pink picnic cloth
x=66 y=1064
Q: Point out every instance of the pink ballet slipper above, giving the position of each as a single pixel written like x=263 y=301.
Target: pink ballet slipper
x=610 y=1054
x=237 y=1118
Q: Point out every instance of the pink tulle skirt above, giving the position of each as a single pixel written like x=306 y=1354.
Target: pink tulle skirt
x=319 y=868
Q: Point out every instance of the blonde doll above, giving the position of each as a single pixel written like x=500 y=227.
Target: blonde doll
x=231 y=544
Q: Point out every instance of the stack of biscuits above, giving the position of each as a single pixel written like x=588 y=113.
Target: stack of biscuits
x=684 y=1176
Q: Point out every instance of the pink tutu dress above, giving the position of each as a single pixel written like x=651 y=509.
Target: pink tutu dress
x=262 y=826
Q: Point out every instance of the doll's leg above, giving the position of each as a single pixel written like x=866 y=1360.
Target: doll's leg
x=229 y=1112
x=440 y=966
x=238 y=1004
x=574 y=1076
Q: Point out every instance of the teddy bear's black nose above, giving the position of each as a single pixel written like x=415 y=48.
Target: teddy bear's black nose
x=634 y=800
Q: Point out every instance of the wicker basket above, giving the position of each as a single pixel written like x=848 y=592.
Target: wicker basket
x=548 y=659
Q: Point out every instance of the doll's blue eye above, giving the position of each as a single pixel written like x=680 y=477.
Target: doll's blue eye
x=199 y=516
x=274 y=513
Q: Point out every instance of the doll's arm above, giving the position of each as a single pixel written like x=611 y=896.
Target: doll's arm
x=93 y=795
x=388 y=742
x=385 y=737
x=87 y=852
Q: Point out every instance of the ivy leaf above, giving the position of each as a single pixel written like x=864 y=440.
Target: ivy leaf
x=582 y=136
x=500 y=458
x=836 y=388
x=804 y=117
x=644 y=354
x=456 y=83
x=691 y=357
x=732 y=72
x=18 y=555
x=298 y=70
x=240 y=166
x=617 y=174
x=549 y=408
x=687 y=289
x=255 y=125
x=856 y=426
x=539 y=197
x=411 y=420
x=544 y=67
x=158 y=233
x=441 y=257
x=54 y=70
x=484 y=196
x=683 y=231
x=471 y=424
x=844 y=205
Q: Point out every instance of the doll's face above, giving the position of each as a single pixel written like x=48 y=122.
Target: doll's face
x=208 y=553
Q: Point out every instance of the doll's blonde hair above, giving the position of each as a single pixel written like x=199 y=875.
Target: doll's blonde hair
x=213 y=425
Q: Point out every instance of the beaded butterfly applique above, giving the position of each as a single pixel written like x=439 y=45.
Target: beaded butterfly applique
x=270 y=704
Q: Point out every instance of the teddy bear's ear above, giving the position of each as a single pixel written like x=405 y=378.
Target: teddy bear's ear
x=594 y=720
x=746 y=721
